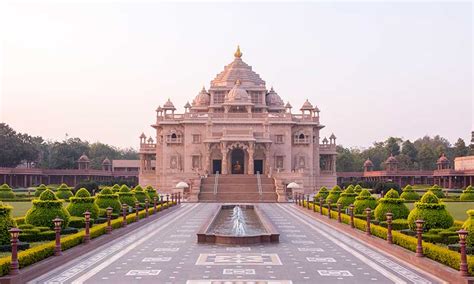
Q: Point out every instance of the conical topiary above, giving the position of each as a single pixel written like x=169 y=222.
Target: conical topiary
x=81 y=203
x=467 y=194
x=116 y=188
x=469 y=227
x=40 y=190
x=347 y=197
x=126 y=196
x=364 y=200
x=358 y=189
x=6 y=223
x=334 y=194
x=140 y=194
x=6 y=192
x=436 y=189
x=322 y=193
x=64 y=192
x=392 y=203
x=107 y=198
x=151 y=192
x=45 y=209
x=409 y=194
x=430 y=210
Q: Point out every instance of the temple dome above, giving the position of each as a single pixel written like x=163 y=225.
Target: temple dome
x=273 y=99
x=202 y=99
x=307 y=106
x=106 y=161
x=83 y=158
x=169 y=105
x=237 y=70
x=442 y=159
x=237 y=95
x=368 y=163
x=391 y=160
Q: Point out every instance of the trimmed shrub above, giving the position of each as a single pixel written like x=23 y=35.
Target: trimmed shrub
x=89 y=185
x=391 y=203
x=116 y=188
x=358 y=188
x=466 y=195
x=45 y=209
x=364 y=200
x=79 y=222
x=430 y=210
x=140 y=194
x=347 y=197
x=81 y=203
x=397 y=224
x=107 y=198
x=64 y=192
x=437 y=191
x=126 y=196
x=323 y=192
x=151 y=192
x=6 y=223
x=40 y=189
x=469 y=226
x=409 y=194
x=6 y=192
x=385 y=187
x=334 y=194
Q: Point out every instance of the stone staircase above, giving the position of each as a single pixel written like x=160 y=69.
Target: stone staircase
x=237 y=188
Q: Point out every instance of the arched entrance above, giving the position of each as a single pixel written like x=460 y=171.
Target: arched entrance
x=237 y=158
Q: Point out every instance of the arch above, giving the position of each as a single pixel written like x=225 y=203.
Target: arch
x=237 y=158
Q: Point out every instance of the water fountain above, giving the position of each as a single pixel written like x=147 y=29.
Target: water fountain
x=238 y=224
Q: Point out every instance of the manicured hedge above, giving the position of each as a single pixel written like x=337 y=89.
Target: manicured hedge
x=40 y=189
x=347 y=197
x=430 y=210
x=107 y=198
x=437 y=191
x=64 y=192
x=391 y=202
x=410 y=194
x=45 y=209
x=469 y=226
x=6 y=223
x=126 y=196
x=6 y=192
x=323 y=192
x=467 y=194
x=151 y=192
x=334 y=194
x=363 y=201
x=140 y=194
x=81 y=203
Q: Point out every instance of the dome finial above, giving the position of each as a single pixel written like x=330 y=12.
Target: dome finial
x=238 y=53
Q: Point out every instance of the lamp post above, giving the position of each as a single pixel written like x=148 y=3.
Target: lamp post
x=329 y=208
x=321 y=206
x=124 y=214
x=108 y=229
x=351 y=209
x=147 y=204
x=87 y=220
x=154 y=204
x=419 y=232
x=167 y=199
x=339 y=207
x=57 y=228
x=14 y=266
x=137 y=204
x=307 y=201
x=179 y=197
x=389 y=227
x=367 y=212
x=463 y=268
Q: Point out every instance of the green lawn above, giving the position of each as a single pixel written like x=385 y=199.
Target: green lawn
x=20 y=207
x=457 y=209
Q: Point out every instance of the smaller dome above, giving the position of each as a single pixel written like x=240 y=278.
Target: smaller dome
x=307 y=106
x=187 y=105
x=368 y=163
x=288 y=105
x=316 y=109
x=150 y=140
x=84 y=158
x=273 y=99
x=391 y=160
x=106 y=161
x=332 y=136
x=159 y=109
x=442 y=159
x=325 y=140
x=202 y=99
x=169 y=105
x=237 y=95
x=143 y=135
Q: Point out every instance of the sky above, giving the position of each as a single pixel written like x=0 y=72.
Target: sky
x=98 y=70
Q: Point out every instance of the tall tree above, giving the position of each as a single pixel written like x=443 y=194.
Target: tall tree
x=392 y=145
x=409 y=149
x=460 y=148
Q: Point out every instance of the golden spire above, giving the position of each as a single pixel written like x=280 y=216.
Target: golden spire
x=238 y=53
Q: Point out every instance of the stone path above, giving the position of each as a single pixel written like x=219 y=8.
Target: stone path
x=166 y=251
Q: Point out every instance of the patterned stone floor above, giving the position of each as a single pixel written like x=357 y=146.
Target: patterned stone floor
x=166 y=251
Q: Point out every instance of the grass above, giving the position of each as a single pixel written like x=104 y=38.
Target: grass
x=457 y=209
x=21 y=207
x=32 y=245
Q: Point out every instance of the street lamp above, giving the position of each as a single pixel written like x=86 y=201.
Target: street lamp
x=124 y=214
x=57 y=228
x=389 y=227
x=14 y=266
x=462 y=244
x=87 y=217
x=109 y=217
x=419 y=231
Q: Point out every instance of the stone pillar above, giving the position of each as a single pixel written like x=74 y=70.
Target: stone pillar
x=450 y=182
x=224 y=159
x=267 y=160
x=251 y=151
x=207 y=153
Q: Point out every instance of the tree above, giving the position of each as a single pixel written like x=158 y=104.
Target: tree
x=460 y=148
x=409 y=149
x=392 y=145
x=427 y=158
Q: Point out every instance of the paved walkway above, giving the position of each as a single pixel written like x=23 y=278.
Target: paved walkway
x=166 y=251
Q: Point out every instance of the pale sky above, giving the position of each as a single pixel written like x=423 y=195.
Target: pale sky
x=98 y=71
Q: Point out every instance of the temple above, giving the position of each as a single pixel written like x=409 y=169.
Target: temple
x=241 y=130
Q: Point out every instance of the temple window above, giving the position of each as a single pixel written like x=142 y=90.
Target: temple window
x=174 y=138
x=279 y=162
x=301 y=138
x=279 y=139
x=219 y=97
x=255 y=97
x=196 y=162
x=196 y=138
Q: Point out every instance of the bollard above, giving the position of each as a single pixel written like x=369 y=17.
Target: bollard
x=57 y=228
x=137 y=204
x=321 y=206
x=295 y=199
x=14 y=265
x=307 y=201
x=351 y=209
x=339 y=207
x=419 y=232
x=124 y=214
x=179 y=197
x=87 y=220
x=329 y=208
x=154 y=204
x=463 y=268
x=147 y=204
x=108 y=229
x=389 y=227
x=367 y=227
x=160 y=199
x=167 y=200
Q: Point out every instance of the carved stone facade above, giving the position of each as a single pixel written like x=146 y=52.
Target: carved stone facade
x=238 y=126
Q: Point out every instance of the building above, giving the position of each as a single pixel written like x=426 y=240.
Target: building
x=238 y=128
